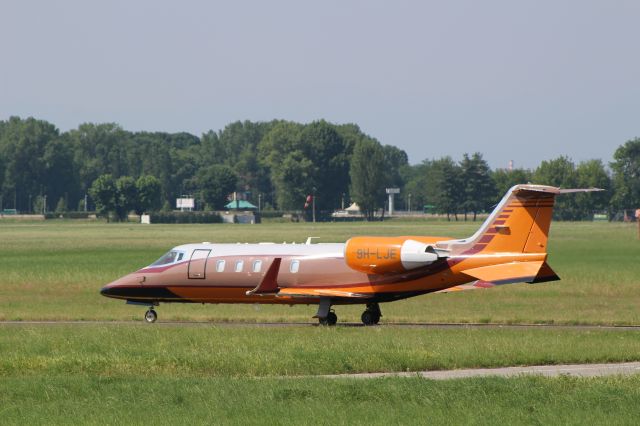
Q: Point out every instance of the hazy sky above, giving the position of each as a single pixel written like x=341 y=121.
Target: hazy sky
x=521 y=80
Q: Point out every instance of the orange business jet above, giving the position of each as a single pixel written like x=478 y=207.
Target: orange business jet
x=509 y=247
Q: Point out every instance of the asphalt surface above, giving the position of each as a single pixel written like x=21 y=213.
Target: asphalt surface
x=580 y=370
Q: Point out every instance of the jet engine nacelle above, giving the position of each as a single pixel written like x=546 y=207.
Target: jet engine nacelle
x=380 y=255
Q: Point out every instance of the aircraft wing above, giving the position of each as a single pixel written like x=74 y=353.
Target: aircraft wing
x=320 y=292
x=269 y=286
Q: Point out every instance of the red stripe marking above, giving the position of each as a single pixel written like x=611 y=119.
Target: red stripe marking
x=499 y=222
x=485 y=239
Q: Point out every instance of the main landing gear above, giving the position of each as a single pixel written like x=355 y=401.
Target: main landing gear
x=371 y=315
x=330 y=319
x=150 y=316
x=325 y=315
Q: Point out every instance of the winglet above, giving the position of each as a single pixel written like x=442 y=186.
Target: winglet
x=269 y=283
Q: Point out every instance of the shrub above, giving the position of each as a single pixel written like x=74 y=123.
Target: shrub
x=185 y=217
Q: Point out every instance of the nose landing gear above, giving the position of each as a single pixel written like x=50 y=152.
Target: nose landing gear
x=151 y=316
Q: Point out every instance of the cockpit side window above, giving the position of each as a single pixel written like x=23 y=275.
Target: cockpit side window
x=170 y=257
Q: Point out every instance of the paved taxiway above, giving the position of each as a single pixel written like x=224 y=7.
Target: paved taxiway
x=580 y=370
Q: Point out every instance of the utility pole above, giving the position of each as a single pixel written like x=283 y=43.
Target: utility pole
x=259 y=203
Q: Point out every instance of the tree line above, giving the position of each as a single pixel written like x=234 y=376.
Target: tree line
x=276 y=164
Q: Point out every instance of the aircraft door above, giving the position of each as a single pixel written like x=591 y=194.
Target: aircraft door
x=198 y=264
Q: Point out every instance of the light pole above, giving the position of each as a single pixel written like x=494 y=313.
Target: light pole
x=259 y=203
x=409 y=203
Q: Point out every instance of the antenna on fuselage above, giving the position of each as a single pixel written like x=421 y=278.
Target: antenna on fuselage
x=310 y=240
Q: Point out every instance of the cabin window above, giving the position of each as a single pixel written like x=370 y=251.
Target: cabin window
x=180 y=256
x=295 y=265
x=257 y=265
x=239 y=265
x=220 y=266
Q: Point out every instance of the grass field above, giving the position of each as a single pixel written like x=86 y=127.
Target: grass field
x=134 y=374
x=164 y=401
x=54 y=270
x=205 y=351
x=204 y=374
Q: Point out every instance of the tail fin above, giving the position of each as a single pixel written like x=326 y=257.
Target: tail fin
x=519 y=223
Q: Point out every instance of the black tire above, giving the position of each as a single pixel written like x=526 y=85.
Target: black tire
x=376 y=319
x=332 y=318
x=150 y=316
x=369 y=318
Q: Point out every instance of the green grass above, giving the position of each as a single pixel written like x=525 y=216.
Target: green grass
x=54 y=270
x=249 y=351
x=162 y=400
x=135 y=374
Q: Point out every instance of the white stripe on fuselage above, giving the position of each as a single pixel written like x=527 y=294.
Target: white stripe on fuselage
x=308 y=251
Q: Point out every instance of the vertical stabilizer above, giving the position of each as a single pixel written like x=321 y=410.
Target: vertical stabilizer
x=519 y=223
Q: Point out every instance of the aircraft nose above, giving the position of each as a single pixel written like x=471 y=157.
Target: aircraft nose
x=117 y=287
x=107 y=291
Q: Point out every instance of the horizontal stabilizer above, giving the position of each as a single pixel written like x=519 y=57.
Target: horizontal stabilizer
x=269 y=283
x=506 y=273
x=572 y=190
x=320 y=292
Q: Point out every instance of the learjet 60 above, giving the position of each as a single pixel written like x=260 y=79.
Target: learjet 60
x=509 y=247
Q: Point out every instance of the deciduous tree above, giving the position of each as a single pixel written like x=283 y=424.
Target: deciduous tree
x=368 y=176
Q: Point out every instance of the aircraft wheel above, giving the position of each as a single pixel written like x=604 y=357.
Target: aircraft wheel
x=331 y=319
x=150 y=316
x=369 y=318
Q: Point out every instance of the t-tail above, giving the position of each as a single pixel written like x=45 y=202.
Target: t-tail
x=518 y=225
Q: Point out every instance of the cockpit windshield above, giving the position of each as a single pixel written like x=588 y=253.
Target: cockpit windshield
x=170 y=257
